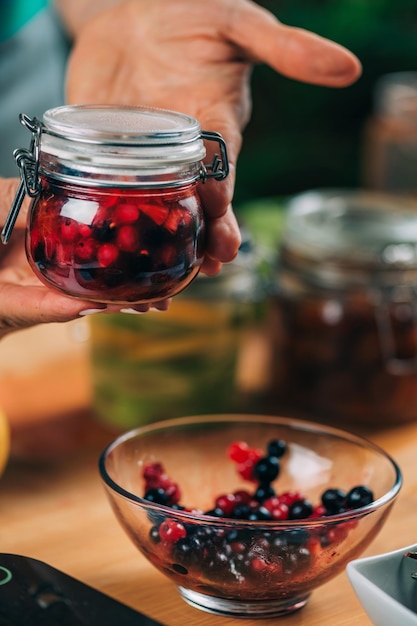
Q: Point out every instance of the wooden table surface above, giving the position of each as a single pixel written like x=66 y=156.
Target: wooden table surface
x=55 y=510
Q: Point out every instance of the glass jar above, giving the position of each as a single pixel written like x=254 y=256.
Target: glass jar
x=185 y=361
x=343 y=331
x=390 y=135
x=116 y=215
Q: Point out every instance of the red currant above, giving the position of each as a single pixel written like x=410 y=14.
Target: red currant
x=238 y=451
x=171 y=531
x=127 y=238
x=107 y=254
x=69 y=230
x=157 y=212
x=126 y=213
x=85 y=250
x=226 y=503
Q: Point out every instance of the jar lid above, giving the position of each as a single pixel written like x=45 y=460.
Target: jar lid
x=354 y=231
x=110 y=139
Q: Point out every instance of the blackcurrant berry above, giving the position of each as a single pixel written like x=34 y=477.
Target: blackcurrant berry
x=359 y=496
x=277 y=448
x=334 y=501
x=156 y=495
x=259 y=514
x=266 y=469
x=216 y=512
x=241 y=511
x=154 y=534
x=300 y=509
x=264 y=492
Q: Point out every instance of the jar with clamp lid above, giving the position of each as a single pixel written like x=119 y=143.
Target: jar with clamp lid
x=343 y=324
x=116 y=215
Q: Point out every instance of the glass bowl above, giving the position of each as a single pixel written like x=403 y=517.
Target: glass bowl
x=253 y=562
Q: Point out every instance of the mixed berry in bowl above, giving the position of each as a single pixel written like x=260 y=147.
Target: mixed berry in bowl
x=248 y=514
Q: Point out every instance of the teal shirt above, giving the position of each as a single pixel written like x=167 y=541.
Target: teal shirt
x=33 y=57
x=16 y=13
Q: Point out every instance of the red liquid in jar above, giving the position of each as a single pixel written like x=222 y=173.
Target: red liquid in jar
x=116 y=245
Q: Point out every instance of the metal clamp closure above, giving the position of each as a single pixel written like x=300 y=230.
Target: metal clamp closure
x=388 y=336
x=28 y=163
x=219 y=167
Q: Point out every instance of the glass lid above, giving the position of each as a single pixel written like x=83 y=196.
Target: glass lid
x=118 y=138
x=120 y=125
x=353 y=228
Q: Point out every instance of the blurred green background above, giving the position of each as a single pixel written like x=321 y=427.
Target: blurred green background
x=302 y=136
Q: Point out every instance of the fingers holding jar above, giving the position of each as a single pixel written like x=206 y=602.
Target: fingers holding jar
x=223 y=241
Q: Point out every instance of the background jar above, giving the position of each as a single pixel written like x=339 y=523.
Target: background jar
x=116 y=215
x=343 y=321
x=185 y=361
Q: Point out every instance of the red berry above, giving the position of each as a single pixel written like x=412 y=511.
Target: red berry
x=69 y=230
x=337 y=534
x=127 y=238
x=174 y=219
x=85 y=250
x=107 y=254
x=171 y=531
x=152 y=469
x=245 y=469
x=289 y=497
x=173 y=493
x=126 y=213
x=319 y=511
x=238 y=547
x=313 y=545
x=242 y=497
x=278 y=509
x=84 y=230
x=280 y=512
x=255 y=454
x=157 y=212
x=238 y=451
x=260 y=565
x=226 y=503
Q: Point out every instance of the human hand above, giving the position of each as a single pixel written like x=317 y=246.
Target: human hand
x=197 y=58
x=25 y=301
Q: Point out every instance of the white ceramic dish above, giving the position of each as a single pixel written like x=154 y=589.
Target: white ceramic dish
x=385 y=587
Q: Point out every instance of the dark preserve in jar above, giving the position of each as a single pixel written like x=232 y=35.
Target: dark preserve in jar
x=116 y=214
x=343 y=320
x=116 y=245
